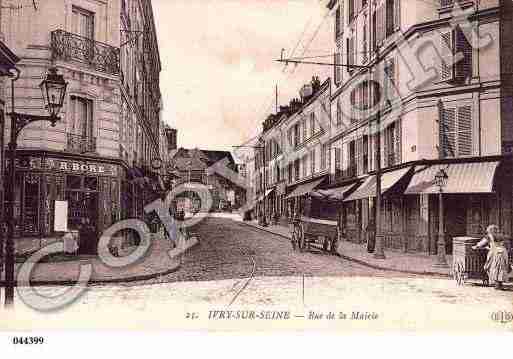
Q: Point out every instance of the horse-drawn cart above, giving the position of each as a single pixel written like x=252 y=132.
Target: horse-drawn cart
x=310 y=232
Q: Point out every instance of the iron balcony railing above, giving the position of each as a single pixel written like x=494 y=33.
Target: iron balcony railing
x=80 y=144
x=97 y=55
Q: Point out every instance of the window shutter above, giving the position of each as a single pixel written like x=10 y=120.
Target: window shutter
x=342 y=14
x=447 y=52
x=464 y=131
x=338 y=69
x=390 y=16
x=383 y=146
x=358 y=156
x=381 y=24
x=447 y=132
x=397 y=14
x=337 y=162
x=463 y=68
x=337 y=23
x=398 y=141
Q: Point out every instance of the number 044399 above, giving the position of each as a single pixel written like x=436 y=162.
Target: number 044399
x=28 y=340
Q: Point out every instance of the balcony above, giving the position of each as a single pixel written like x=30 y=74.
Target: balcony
x=80 y=144
x=96 y=55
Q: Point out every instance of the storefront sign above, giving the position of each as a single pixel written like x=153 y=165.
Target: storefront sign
x=81 y=167
x=53 y=164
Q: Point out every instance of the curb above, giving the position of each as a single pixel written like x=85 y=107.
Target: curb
x=367 y=264
x=136 y=278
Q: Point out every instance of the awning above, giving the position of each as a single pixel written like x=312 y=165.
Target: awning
x=475 y=177
x=368 y=188
x=337 y=193
x=305 y=188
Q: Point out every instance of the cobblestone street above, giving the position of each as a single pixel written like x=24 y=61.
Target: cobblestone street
x=236 y=266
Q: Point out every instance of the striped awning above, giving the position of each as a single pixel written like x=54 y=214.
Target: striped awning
x=368 y=187
x=475 y=177
x=337 y=193
x=305 y=188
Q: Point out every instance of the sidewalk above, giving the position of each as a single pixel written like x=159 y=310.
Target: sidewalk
x=412 y=263
x=157 y=262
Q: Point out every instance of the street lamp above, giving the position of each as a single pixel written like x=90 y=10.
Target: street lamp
x=440 y=180
x=53 y=88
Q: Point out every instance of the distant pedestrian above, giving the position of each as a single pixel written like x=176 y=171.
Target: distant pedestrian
x=497 y=264
x=370 y=233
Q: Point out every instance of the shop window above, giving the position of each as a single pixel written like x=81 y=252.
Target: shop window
x=73 y=182
x=31 y=204
x=91 y=183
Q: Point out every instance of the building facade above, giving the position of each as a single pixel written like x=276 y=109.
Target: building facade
x=192 y=166
x=295 y=154
x=458 y=118
x=429 y=84
x=108 y=54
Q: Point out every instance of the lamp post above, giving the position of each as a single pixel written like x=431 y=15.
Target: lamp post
x=53 y=88
x=440 y=180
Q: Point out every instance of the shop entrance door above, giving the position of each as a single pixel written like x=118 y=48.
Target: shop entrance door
x=83 y=217
x=455 y=219
x=82 y=196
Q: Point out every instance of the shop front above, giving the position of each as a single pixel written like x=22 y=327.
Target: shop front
x=90 y=186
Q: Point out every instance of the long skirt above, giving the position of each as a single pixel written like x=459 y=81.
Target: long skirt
x=497 y=265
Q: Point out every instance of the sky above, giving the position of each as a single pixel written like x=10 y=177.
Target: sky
x=219 y=75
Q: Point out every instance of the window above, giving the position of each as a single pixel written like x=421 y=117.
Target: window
x=312 y=161
x=352 y=159
x=456 y=131
x=339 y=113
x=312 y=123
x=390 y=17
x=350 y=49
x=324 y=156
x=303 y=124
x=364 y=41
x=290 y=172
x=305 y=165
x=31 y=201
x=296 y=169
x=82 y=117
x=338 y=163
x=365 y=154
x=374 y=31
x=338 y=69
x=392 y=145
x=296 y=135
x=455 y=42
x=351 y=13
x=389 y=80
x=337 y=23
x=82 y=23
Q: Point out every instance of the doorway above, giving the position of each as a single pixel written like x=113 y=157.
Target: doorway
x=83 y=200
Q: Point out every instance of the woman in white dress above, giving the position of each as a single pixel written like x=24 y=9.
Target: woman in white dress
x=497 y=264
